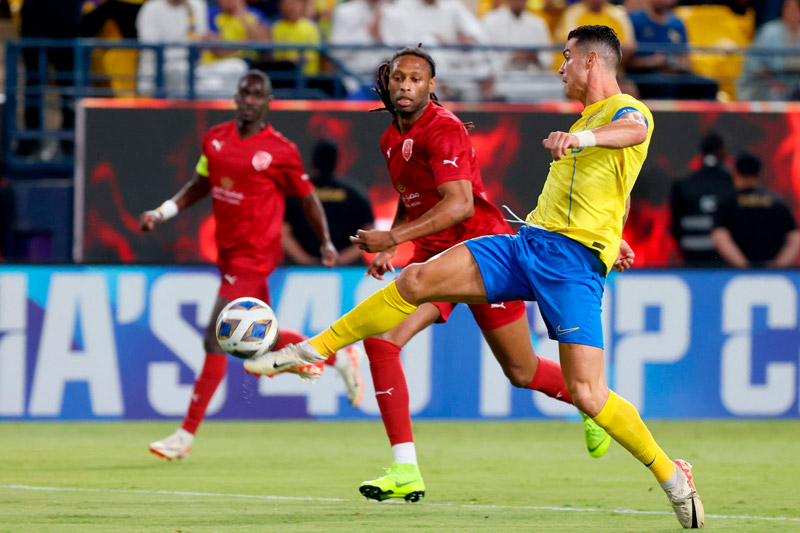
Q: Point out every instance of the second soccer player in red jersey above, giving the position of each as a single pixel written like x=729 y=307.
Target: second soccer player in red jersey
x=248 y=168
x=442 y=202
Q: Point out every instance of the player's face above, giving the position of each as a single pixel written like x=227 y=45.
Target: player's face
x=410 y=84
x=252 y=99
x=573 y=71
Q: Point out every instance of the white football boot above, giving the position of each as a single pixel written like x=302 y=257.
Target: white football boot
x=684 y=498
x=348 y=362
x=290 y=358
x=176 y=446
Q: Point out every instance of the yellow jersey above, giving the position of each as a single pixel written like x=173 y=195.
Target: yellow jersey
x=304 y=31
x=585 y=191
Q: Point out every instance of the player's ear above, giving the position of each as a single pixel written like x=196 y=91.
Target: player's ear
x=431 y=85
x=592 y=59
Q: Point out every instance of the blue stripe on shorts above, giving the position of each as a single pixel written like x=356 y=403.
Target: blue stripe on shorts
x=560 y=274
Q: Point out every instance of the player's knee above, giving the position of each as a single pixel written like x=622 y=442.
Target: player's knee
x=519 y=377
x=410 y=283
x=586 y=397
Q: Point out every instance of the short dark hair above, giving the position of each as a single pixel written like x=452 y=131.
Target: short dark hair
x=712 y=143
x=748 y=164
x=598 y=35
x=255 y=73
x=324 y=156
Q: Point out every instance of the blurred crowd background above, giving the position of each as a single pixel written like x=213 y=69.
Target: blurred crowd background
x=59 y=51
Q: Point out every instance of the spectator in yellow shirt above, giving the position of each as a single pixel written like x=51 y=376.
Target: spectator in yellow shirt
x=599 y=12
x=293 y=28
x=234 y=21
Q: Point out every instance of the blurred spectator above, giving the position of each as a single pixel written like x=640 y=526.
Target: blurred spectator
x=182 y=21
x=294 y=28
x=667 y=73
x=694 y=202
x=97 y=13
x=774 y=76
x=599 y=12
x=521 y=74
x=460 y=74
x=361 y=22
x=233 y=21
x=346 y=207
x=754 y=227
x=50 y=19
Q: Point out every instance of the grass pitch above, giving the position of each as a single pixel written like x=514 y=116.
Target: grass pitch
x=303 y=476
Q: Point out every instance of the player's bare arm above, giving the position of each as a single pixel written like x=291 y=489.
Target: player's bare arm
x=315 y=214
x=628 y=130
x=382 y=262
x=626 y=256
x=195 y=190
x=455 y=206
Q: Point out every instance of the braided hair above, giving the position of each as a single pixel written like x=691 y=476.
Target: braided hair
x=381 y=87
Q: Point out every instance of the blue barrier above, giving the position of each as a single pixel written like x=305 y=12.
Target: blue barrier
x=124 y=342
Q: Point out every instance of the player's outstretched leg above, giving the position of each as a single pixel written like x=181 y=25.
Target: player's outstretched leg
x=401 y=481
x=684 y=498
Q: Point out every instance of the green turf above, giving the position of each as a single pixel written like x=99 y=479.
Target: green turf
x=480 y=476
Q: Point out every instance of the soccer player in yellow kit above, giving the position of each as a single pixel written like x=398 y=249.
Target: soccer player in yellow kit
x=560 y=259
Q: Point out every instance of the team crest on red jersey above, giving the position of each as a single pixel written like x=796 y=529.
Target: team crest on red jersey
x=261 y=160
x=408 y=145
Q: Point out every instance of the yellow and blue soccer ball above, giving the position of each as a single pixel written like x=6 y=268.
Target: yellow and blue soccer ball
x=247 y=327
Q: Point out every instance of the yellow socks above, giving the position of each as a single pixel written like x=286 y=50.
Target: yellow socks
x=621 y=420
x=377 y=314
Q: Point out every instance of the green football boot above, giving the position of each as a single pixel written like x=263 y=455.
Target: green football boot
x=597 y=440
x=400 y=481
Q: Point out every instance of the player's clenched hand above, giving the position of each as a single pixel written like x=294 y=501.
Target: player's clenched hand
x=381 y=264
x=373 y=240
x=625 y=258
x=329 y=254
x=558 y=142
x=149 y=219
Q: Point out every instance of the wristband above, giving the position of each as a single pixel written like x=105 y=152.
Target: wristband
x=585 y=139
x=168 y=209
x=391 y=238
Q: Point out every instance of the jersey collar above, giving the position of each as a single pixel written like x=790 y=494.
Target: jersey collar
x=266 y=131
x=595 y=107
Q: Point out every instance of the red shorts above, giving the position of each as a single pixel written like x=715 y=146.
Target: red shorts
x=487 y=316
x=237 y=283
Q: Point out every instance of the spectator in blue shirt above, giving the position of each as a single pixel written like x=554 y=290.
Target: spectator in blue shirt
x=661 y=67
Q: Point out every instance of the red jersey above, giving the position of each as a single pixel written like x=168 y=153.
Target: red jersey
x=436 y=150
x=250 y=180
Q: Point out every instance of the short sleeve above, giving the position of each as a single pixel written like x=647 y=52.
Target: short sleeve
x=293 y=177
x=724 y=213
x=202 y=166
x=450 y=154
x=630 y=105
x=787 y=222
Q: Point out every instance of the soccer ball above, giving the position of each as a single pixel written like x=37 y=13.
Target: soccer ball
x=247 y=327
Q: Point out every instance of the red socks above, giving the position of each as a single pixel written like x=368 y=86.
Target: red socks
x=550 y=381
x=289 y=336
x=391 y=390
x=207 y=382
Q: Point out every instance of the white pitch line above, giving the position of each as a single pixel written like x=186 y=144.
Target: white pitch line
x=426 y=504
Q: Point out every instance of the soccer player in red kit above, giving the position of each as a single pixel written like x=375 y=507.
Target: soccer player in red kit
x=442 y=203
x=249 y=169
